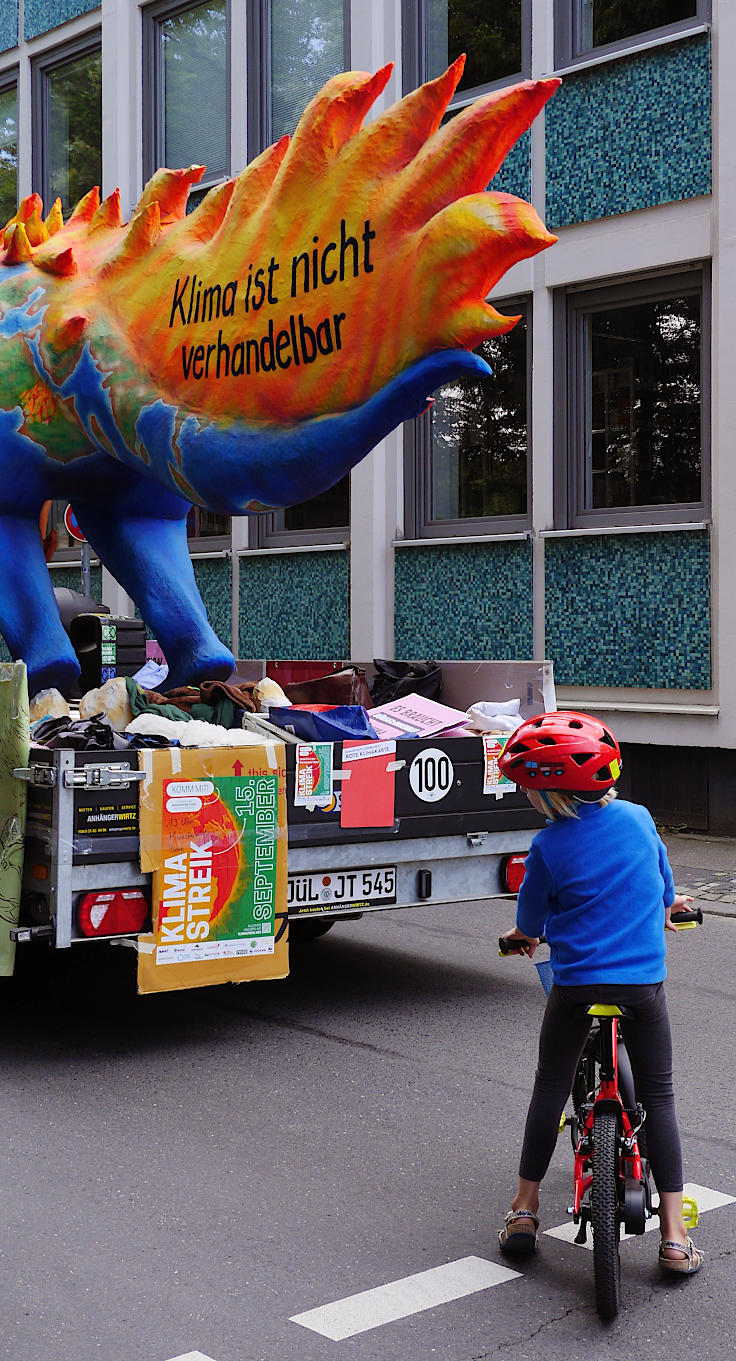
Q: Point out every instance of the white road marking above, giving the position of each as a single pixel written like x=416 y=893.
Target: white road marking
x=398 y=1299
x=705 y=1198
x=192 y=1356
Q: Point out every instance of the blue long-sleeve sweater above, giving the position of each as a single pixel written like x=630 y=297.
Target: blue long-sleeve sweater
x=597 y=886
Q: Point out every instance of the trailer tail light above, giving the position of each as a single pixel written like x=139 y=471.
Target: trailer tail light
x=115 y=913
x=512 y=872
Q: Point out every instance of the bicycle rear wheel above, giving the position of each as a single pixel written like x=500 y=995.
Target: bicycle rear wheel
x=604 y=1214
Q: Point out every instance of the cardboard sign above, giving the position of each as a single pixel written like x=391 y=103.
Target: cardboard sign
x=414 y=716
x=213 y=833
x=368 y=784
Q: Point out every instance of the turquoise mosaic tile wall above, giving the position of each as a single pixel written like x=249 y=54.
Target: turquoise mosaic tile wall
x=8 y=25
x=464 y=601
x=41 y=15
x=515 y=175
x=630 y=135
x=214 y=582
x=295 y=606
x=630 y=610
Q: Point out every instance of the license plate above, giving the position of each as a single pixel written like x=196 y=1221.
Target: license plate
x=342 y=888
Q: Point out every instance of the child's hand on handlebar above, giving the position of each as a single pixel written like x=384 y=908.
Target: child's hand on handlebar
x=679 y=904
x=526 y=944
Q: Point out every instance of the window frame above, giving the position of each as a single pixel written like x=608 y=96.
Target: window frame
x=571 y=307
x=41 y=67
x=258 y=39
x=414 y=53
x=153 y=124
x=267 y=531
x=418 y=520
x=266 y=528
x=9 y=80
x=568 y=26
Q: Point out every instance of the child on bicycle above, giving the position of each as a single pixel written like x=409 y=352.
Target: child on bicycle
x=599 y=886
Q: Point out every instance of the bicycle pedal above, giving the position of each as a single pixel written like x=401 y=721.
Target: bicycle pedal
x=563 y=1123
x=690 y=1212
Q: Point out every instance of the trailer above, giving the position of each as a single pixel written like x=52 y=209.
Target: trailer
x=458 y=833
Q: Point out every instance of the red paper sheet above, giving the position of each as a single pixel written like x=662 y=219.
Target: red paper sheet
x=368 y=792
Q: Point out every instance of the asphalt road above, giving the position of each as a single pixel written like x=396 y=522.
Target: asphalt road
x=184 y=1174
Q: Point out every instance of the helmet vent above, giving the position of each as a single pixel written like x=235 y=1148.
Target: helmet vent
x=581 y=757
x=575 y=723
x=608 y=739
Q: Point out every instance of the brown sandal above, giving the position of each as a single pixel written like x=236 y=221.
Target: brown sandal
x=518 y=1237
x=682 y=1266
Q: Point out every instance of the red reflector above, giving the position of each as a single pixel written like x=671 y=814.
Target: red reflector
x=113 y=913
x=513 y=871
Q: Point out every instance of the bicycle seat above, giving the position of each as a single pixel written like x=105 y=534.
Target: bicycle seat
x=607 y=1009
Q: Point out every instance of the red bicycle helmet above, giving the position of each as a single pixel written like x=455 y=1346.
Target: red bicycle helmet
x=565 y=751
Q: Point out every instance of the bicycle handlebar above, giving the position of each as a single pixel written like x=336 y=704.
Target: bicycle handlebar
x=515 y=947
x=693 y=917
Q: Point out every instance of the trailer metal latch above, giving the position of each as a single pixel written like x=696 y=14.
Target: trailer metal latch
x=38 y=775
x=102 y=777
x=476 y=838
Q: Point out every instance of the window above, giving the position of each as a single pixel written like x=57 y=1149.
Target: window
x=634 y=369
x=467 y=457
x=296 y=46
x=302 y=43
x=8 y=151
x=585 y=26
x=496 y=39
x=186 y=58
x=67 y=102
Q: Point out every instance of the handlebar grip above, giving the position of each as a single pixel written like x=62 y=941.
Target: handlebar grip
x=695 y=916
x=510 y=947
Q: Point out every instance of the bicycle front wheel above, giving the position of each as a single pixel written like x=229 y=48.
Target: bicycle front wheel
x=604 y=1214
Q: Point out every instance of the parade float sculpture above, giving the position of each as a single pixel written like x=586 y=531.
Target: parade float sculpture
x=246 y=356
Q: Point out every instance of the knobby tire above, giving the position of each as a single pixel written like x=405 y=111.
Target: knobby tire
x=604 y=1214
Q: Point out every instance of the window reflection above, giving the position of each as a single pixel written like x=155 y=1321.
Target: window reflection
x=610 y=21
x=643 y=407
x=307 y=47
x=479 y=436
x=489 y=34
x=194 y=94
x=8 y=153
x=74 y=123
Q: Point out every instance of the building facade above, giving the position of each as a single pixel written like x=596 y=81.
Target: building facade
x=576 y=505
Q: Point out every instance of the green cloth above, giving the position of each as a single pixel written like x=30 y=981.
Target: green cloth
x=140 y=704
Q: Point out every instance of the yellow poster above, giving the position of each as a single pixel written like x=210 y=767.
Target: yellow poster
x=214 y=836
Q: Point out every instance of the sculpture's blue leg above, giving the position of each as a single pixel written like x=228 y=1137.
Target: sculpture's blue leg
x=149 y=556
x=29 y=618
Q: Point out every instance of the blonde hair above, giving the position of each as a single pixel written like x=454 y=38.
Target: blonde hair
x=554 y=803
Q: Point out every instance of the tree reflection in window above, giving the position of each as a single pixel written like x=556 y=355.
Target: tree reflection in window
x=611 y=21
x=643 y=408
x=74 y=121
x=479 y=437
x=489 y=35
x=8 y=153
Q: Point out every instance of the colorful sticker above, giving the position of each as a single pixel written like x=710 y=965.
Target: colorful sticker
x=313 y=777
x=493 y=781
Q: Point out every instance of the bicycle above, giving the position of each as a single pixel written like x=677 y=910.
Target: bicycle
x=611 y=1172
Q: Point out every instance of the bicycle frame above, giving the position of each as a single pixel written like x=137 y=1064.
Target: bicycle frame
x=607 y=1097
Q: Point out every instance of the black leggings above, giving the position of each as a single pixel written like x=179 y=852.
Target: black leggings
x=649 y=1044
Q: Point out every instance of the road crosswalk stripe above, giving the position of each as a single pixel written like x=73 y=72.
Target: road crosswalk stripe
x=192 y=1356
x=398 y=1299
x=705 y=1198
